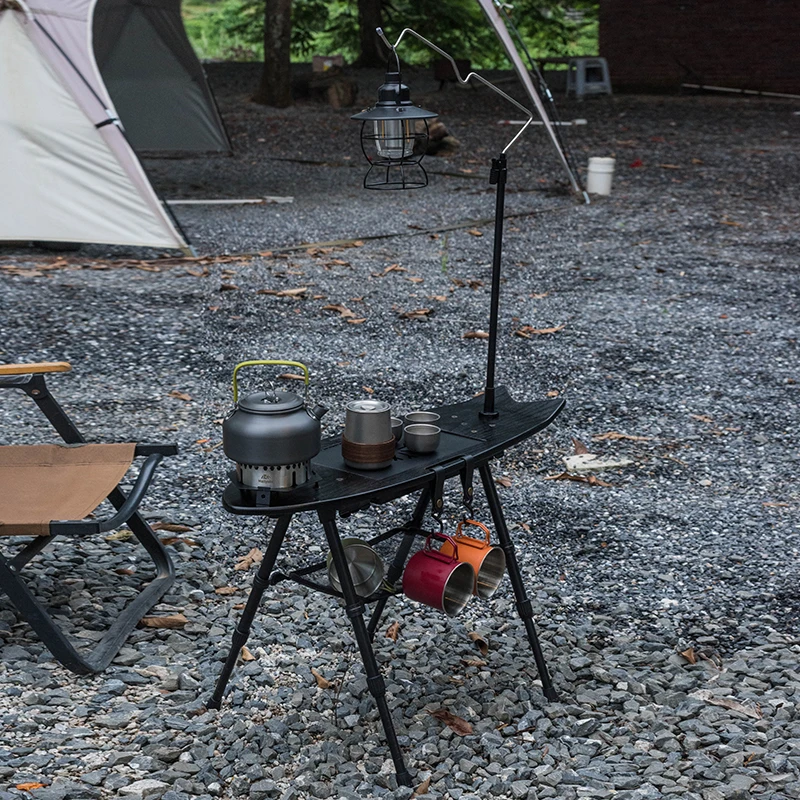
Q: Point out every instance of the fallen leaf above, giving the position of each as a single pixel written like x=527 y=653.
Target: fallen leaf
x=358 y=321
x=580 y=447
x=198 y=273
x=125 y=571
x=592 y=480
x=253 y=557
x=182 y=539
x=480 y=642
x=246 y=655
x=697 y=161
x=730 y=222
x=637 y=163
x=322 y=681
x=474 y=284
x=368 y=389
x=538 y=296
x=228 y=287
x=475 y=232
x=689 y=655
x=119 y=536
x=29 y=787
x=226 y=590
x=344 y=312
x=415 y=279
x=292 y=376
x=441 y=298
x=701 y=418
x=552 y=393
x=419 y=313
x=473 y=662
x=393 y=631
x=422 y=788
x=169 y=621
x=475 y=335
x=526 y=331
x=171 y=527
x=669 y=166
x=293 y=292
x=180 y=395
x=504 y=480
x=611 y=435
x=457 y=724
x=727 y=702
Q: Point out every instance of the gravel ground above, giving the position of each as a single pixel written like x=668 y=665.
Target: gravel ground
x=675 y=304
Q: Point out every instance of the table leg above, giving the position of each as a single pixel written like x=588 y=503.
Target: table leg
x=354 y=608
x=399 y=563
x=242 y=631
x=523 y=603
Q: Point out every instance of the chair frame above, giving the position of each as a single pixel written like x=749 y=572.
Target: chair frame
x=30 y=379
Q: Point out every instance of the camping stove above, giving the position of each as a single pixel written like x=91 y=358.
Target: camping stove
x=283 y=476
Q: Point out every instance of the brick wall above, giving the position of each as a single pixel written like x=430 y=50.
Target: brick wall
x=655 y=45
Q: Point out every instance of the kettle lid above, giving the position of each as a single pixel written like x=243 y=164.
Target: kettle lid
x=271 y=402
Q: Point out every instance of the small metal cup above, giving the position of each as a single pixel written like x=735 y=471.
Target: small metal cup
x=365 y=565
x=397 y=428
x=415 y=417
x=422 y=438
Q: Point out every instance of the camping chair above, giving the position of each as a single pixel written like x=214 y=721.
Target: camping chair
x=48 y=490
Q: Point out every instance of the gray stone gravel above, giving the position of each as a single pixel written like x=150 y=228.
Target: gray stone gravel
x=678 y=297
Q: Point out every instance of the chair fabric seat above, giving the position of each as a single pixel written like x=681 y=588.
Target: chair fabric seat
x=46 y=482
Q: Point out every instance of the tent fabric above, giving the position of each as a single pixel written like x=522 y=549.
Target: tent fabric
x=65 y=178
x=157 y=84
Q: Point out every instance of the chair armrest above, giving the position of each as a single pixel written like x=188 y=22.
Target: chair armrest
x=35 y=369
x=161 y=449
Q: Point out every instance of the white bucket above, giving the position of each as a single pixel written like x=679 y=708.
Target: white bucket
x=598 y=178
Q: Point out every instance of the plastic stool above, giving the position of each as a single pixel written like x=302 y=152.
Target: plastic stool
x=588 y=76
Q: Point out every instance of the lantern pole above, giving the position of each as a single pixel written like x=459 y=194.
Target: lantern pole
x=497 y=177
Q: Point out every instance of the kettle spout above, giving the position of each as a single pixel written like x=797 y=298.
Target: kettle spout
x=318 y=412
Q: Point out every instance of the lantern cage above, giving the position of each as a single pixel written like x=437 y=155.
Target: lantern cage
x=394 y=138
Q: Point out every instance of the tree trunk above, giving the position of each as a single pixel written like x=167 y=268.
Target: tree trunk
x=373 y=52
x=276 y=79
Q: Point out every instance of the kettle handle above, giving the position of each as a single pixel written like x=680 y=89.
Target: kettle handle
x=259 y=363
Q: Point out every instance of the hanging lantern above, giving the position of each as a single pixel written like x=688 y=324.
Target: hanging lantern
x=391 y=140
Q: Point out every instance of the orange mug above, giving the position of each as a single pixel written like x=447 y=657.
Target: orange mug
x=488 y=561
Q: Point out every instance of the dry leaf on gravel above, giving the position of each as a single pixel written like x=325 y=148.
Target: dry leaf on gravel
x=612 y=435
x=322 y=681
x=246 y=655
x=727 y=702
x=422 y=788
x=415 y=279
x=31 y=785
x=358 y=321
x=170 y=621
x=526 y=331
x=580 y=447
x=592 y=480
x=228 y=287
x=475 y=232
x=393 y=631
x=589 y=462
x=180 y=539
x=539 y=295
x=253 y=557
x=226 y=590
x=702 y=418
x=180 y=395
x=300 y=290
x=457 y=724
x=419 y=313
x=475 y=335
x=479 y=642
x=689 y=655
x=292 y=376
x=473 y=662
x=669 y=166
x=340 y=309
x=504 y=480
x=119 y=536
x=171 y=527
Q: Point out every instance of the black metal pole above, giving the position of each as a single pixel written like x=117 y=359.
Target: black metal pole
x=496 y=177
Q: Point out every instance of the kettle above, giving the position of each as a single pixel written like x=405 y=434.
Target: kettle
x=272 y=435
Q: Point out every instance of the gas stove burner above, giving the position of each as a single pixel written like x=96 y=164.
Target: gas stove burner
x=283 y=476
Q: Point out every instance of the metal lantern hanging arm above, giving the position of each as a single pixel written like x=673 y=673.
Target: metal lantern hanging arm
x=497 y=177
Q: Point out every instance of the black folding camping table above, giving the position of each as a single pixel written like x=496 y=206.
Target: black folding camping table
x=469 y=440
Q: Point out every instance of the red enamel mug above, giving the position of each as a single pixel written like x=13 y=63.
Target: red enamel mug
x=438 y=580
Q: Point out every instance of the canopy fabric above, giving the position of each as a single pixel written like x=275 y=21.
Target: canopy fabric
x=157 y=84
x=64 y=178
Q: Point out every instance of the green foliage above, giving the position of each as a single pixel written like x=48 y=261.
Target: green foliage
x=234 y=29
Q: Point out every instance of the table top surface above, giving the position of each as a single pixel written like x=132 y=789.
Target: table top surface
x=334 y=485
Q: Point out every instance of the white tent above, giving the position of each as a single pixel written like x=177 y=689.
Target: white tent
x=67 y=172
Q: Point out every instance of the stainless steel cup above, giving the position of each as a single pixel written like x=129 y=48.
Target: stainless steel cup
x=365 y=565
x=426 y=417
x=422 y=438
x=368 y=422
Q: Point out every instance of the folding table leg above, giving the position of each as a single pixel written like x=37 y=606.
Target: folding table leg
x=523 y=603
x=242 y=632
x=354 y=608
x=399 y=563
